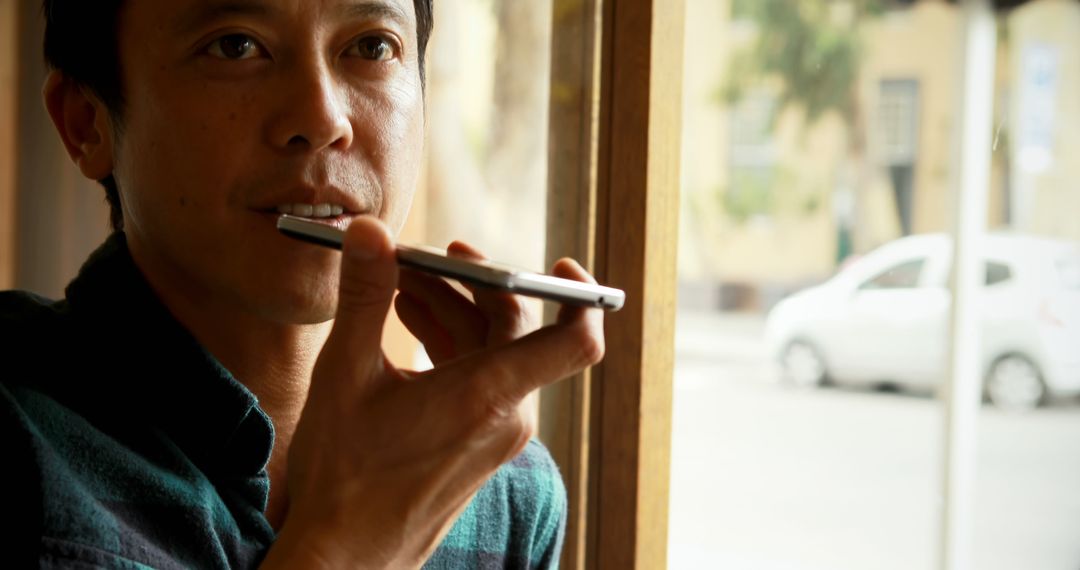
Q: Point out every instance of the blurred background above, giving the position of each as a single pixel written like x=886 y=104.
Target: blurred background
x=818 y=195
x=819 y=165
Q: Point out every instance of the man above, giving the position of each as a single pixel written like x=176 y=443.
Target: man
x=211 y=393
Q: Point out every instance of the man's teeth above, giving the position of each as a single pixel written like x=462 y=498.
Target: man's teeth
x=311 y=211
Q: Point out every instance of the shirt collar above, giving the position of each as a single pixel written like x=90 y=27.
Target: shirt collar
x=161 y=371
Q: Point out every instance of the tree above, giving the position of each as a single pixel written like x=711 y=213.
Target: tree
x=814 y=48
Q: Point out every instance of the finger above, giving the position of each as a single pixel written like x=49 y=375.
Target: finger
x=463 y=250
x=450 y=310
x=508 y=314
x=422 y=324
x=567 y=268
x=369 y=276
x=503 y=376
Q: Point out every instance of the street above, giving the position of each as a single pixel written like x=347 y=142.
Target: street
x=766 y=477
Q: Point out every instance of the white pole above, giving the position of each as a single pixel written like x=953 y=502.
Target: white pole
x=964 y=386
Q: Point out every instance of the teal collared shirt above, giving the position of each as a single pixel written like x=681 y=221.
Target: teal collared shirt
x=125 y=444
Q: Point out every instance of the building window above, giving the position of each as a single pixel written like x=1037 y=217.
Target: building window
x=898 y=136
x=753 y=156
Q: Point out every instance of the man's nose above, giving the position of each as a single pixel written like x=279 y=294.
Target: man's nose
x=313 y=112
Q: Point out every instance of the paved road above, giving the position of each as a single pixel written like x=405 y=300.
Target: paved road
x=768 y=478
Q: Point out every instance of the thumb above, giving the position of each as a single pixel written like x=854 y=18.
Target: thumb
x=369 y=276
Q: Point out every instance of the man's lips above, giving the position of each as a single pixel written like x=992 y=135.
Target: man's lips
x=302 y=199
x=340 y=221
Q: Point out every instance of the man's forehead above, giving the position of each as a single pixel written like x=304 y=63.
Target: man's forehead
x=188 y=14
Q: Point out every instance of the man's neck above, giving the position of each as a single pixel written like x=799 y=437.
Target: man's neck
x=275 y=363
x=273 y=360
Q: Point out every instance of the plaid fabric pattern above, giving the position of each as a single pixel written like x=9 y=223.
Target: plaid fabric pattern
x=124 y=444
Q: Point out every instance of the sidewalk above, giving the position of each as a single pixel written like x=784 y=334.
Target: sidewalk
x=764 y=477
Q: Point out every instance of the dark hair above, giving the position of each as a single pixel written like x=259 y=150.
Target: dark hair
x=81 y=41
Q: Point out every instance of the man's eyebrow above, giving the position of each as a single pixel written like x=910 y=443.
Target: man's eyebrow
x=208 y=11
x=204 y=12
x=374 y=10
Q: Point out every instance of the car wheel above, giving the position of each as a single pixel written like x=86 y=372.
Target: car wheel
x=802 y=366
x=1015 y=384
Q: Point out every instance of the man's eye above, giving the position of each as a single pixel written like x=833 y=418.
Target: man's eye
x=374 y=48
x=234 y=46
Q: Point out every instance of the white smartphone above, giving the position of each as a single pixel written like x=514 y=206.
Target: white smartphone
x=484 y=273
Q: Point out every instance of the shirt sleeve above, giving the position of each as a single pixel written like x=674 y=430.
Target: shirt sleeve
x=517 y=520
x=551 y=514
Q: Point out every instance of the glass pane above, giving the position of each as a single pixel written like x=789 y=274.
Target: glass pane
x=815 y=261
x=489 y=79
x=487 y=126
x=1026 y=490
x=903 y=276
x=997 y=273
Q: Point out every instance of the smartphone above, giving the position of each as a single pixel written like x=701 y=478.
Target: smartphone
x=482 y=273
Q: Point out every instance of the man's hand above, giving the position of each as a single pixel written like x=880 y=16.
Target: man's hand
x=383 y=461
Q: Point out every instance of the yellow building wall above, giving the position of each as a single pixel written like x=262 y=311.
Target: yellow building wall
x=917 y=43
x=921 y=43
x=782 y=248
x=1046 y=197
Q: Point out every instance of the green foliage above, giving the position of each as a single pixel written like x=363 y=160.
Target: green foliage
x=749 y=195
x=766 y=191
x=812 y=46
x=809 y=52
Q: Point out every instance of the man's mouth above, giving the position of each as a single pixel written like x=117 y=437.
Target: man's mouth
x=314 y=211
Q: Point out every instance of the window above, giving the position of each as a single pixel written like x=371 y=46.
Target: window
x=1069 y=272
x=903 y=276
x=845 y=468
x=898 y=129
x=749 y=193
x=752 y=136
x=898 y=121
x=997 y=273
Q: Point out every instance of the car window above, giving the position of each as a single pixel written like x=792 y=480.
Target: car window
x=1069 y=272
x=997 y=273
x=901 y=276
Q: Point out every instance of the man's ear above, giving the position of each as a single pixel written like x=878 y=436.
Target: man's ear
x=82 y=121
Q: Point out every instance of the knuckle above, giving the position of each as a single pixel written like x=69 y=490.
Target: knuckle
x=494 y=418
x=591 y=345
x=527 y=425
x=520 y=430
x=530 y=315
x=514 y=310
x=492 y=371
x=486 y=391
x=501 y=417
x=515 y=429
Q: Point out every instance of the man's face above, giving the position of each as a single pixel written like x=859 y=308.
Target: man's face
x=236 y=109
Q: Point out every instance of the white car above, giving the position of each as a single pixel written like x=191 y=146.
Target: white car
x=884 y=319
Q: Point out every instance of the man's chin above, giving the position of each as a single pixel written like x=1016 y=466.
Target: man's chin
x=297 y=311
x=303 y=316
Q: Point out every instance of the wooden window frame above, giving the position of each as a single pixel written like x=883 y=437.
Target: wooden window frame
x=613 y=198
x=614 y=173
x=9 y=71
